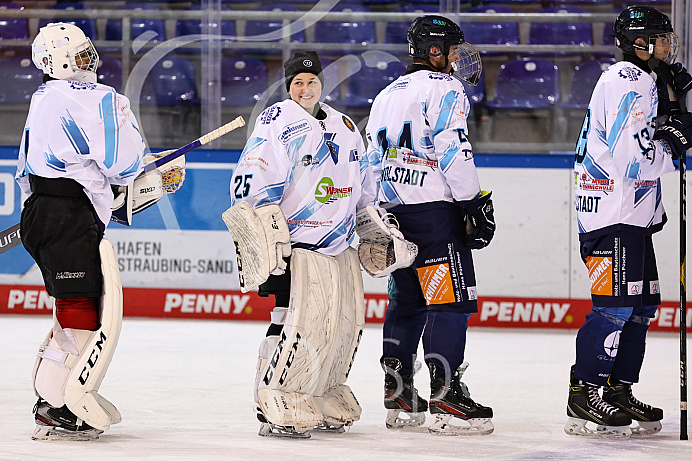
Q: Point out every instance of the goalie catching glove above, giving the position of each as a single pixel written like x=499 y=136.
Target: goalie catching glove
x=148 y=187
x=382 y=248
x=480 y=220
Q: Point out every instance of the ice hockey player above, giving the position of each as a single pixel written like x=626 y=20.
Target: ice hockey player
x=419 y=149
x=622 y=151
x=295 y=194
x=80 y=141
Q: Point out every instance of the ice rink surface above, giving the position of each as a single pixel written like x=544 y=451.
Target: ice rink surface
x=185 y=390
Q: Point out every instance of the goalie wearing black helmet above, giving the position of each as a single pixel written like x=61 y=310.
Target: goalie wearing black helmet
x=626 y=144
x=419 y=148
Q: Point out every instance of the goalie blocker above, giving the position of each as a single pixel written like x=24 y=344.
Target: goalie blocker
x=71 y=364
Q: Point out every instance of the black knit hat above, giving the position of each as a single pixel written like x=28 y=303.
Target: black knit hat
x=302 y=61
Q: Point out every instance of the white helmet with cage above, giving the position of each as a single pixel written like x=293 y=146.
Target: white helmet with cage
x=62 y=51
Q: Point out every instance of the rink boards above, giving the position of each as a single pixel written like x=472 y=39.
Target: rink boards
x=178 y=260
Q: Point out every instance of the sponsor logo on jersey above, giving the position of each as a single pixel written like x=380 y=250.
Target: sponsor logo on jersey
x=82 y=85
x=630 y=73
x=348 y=123
x=601 y=275
x=610 y=344
x=294 y=129
x=308 y=160
x=293 y=223
x=325 y=192
x=70 y=275
x=440 y=76
x=411 y=159
x=353 y=155
x=595 y=184
x=436 y=283
x=587 y=204
x=399 y=85
x=402 y=175
x=654 y=287
x=270 y=114
x=635 y=288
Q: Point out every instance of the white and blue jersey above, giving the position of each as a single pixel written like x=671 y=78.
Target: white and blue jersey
x=436 y=163
x=617 y=162
x=85 y=132
x=315 y=170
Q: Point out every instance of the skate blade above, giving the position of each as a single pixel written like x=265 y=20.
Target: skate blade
x=646 y=428
x=440 y=425
x=398 y=419
x=55 y=433
x=577 y=426
x=330 y=428
x=269 y=430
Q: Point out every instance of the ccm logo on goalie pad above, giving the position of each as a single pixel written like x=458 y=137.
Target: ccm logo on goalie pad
x=93 y=358
x=275 y=359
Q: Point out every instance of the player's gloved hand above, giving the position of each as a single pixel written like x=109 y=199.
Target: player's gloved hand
x=480 y=220
x=665 y=105
x=682 y=80
x=676 y=134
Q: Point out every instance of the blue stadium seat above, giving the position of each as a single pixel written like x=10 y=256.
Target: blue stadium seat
x=584 y=80
x=110 y=72
x=13 y=28
x=88 y=26
x=395 y=32
x=490 y=33
x=194 y=26
x=369 y=81
x=20 y=79
x=243 y=80
x=259 y=28
x=171 y=82
x=561 y=33
x=526 y=84
x=346 y=31
x=114 y=27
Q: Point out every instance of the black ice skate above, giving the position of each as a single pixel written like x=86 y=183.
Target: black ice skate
x=268 y=429
x=451 y=399
x=406 y=407
x=60 y=424
x=585 y=405
x=649 y=418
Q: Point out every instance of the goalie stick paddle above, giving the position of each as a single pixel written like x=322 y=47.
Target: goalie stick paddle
x=10 y=238
x=663 y=70
x=207 y=138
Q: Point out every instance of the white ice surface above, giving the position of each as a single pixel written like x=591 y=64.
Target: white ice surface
x=185 y=388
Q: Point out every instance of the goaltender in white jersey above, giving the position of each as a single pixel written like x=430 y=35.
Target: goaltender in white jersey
x=617 y=179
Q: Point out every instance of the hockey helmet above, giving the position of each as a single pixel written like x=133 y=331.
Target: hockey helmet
x=649 y=24
x=62 y=51
x=437 y=31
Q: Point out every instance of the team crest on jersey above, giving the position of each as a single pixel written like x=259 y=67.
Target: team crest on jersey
x=325 y=192
x=82 y=85
x=294 y=129
x=308 y=160
x=348 y=123
x=630 y=73
x=270 y=114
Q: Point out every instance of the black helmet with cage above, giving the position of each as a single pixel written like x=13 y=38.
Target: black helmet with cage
x=431 y=31
x=648 y=24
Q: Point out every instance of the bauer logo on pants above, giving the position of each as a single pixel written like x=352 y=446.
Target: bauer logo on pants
x=436 y=283
x=601 y=275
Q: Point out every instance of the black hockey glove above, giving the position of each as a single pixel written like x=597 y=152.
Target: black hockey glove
x=480 y=221
x=682 y=80
x=676 y=133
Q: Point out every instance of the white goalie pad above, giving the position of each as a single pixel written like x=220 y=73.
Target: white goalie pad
x=382 y=248
x=319 y=340
x=262 y=241
x=72 y=363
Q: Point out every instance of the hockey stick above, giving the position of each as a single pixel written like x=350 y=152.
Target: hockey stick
x=10 y=238
x=663 y=70
x=207 y=138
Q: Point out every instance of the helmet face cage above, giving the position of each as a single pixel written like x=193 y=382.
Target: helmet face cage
x=63 y=51
x=469 y=66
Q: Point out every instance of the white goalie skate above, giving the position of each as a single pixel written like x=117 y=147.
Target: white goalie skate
x=273 y=430
x=441 y=425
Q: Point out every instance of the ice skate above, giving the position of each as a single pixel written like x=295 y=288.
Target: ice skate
x=60 y=424
x=268 y=429
x=451 y=399
x=647 y=417
x=405 y=407
x=585 y=405
x=330 y=428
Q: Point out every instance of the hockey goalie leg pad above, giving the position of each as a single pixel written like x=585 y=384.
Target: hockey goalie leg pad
x=291 y=410
x=267 y=348
x=81 y=395
x=262 y=240
x=339 y=406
